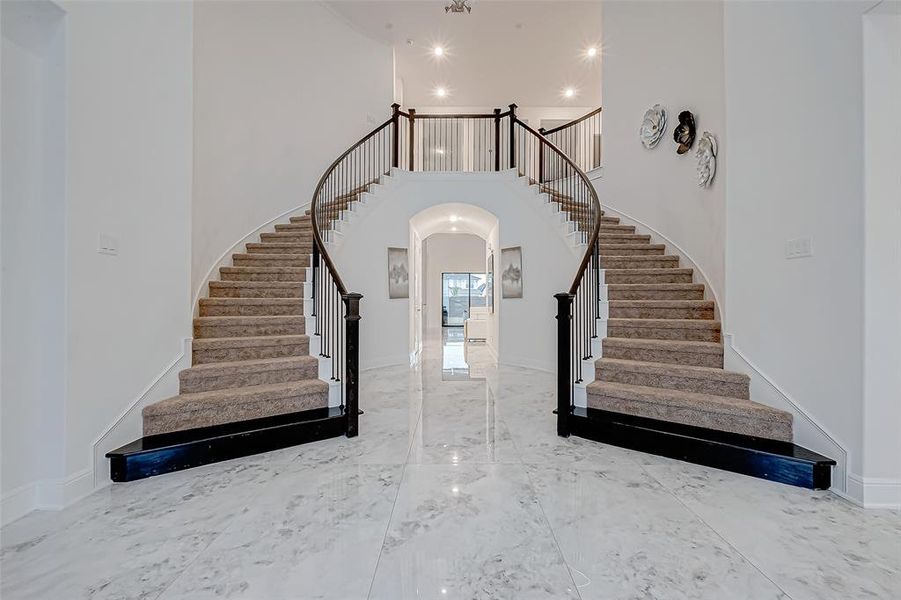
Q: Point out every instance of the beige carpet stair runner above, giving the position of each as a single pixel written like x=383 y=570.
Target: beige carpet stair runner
x=663 y=354
x=251 y=352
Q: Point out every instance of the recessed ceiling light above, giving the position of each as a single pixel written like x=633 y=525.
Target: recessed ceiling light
x=453 y=229
x=441 y=92
x=569 y=92
x=454 y=218
x=438 y=51
x=592 y=52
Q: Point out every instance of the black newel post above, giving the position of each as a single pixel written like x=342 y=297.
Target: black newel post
x=352 y=362
x=564 y=360
x=512 y=136
x=497 y=139
x=395 y=125
x=541 y=157
x=412 y=137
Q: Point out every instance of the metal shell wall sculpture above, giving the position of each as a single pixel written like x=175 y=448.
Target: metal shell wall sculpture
x=684 y=133
x=652 y=126
x=706 y=154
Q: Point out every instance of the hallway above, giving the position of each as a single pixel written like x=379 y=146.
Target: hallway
x=457 y=487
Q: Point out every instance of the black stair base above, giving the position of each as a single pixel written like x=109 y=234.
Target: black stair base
x=766 y=459
x=158 y=454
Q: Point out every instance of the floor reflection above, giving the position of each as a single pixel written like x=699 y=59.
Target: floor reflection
x=463 y=360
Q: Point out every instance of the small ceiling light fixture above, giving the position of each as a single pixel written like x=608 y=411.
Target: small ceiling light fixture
x=441 y=92
x=438 y=51
x=458 y=6
x=454 y=229
x=454 y=218
x=569 y=93
x=591 y=52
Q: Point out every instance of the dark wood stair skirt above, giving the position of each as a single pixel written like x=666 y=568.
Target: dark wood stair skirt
x=782 y=462
x=165 y=453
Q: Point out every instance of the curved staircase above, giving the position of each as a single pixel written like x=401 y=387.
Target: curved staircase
x=663 y=356
x=250 y=353
x=276 y=343
x=659 y=384
x=253 y=385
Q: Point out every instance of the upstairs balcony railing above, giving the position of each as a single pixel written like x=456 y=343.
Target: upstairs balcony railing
x=454 y=142
x=580 y=139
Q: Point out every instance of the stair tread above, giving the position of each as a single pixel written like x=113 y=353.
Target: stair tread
x=257 y=284
x=671 y=345
x=256 y=364
x=662 y=303
x=247 y=319
x=725 y=405
x=641 y=258
x=651 y=271
x=657 y=286
x=249 y=341
x=263 y=269
x=674 y=369
x=641 y=246
x=213 y=399
x=252 y=301
x=260 y=256
x=291 y=245
x=666 y=323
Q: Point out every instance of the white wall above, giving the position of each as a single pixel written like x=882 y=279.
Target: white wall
x=881 y=475
x=281 y=89
x=129 y=175
x=126 y=146
x=794 y=105
x=667 y=53
x=33 y=252
x=526 y=325
x=448 y=253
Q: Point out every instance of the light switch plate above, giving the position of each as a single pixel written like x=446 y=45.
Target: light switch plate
x=108 y=244
x=798 y=248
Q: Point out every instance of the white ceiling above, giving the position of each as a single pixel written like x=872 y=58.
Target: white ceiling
x=504 y=51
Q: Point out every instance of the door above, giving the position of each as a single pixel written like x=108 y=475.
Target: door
x=459 y=293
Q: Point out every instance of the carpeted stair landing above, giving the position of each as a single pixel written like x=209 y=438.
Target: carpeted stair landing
x=663 y=355
x=251 y=351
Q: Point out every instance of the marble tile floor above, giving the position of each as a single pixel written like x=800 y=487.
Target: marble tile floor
x=457 y=488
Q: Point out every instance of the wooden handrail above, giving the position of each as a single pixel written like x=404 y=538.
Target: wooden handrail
x=317 y=236
x=573 y=122
x=596 y=204
x=458 y=115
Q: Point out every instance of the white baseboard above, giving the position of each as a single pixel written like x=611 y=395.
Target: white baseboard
x=874 y=492
x=808 y=431
x=56 y=494
x=47 y=494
